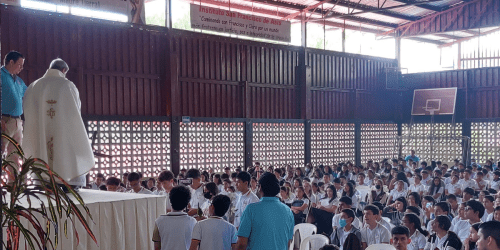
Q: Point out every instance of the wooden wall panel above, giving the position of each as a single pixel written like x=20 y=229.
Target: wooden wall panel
x=332 y=104
x=336 y=70
x=106 y=60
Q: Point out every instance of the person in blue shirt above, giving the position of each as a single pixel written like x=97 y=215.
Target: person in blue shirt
x=13 y=88
x=268 y=224
x=412 y=156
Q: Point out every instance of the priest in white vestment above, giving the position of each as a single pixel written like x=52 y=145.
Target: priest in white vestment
x=54 y=129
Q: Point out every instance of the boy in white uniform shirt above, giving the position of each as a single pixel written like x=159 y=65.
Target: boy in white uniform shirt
x=135 y=183
x=373 y=232
x=215 y=233
x=245 y=198
x=467 y=181
x=197 y=196
x=473 y=213
x=166 y=179
x=174 y=230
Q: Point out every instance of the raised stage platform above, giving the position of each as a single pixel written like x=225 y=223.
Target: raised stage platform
x=120 y=221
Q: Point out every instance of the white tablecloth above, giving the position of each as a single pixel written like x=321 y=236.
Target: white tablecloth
x=120 y=221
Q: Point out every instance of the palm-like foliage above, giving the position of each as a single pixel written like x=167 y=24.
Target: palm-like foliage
x=48 y=201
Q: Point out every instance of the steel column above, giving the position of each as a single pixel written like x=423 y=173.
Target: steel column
x=248 y=144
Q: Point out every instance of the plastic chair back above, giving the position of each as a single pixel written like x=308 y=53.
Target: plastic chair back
x=314 y=242
x=303 y=230
x=380 y=247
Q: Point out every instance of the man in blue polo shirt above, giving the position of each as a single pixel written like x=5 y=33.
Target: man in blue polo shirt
x=13 y=89
x=413 y=157
x=268 y=224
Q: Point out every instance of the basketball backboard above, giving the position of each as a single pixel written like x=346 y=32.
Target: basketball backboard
x=434 y=101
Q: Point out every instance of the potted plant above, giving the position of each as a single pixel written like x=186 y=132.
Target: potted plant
x=50 y=200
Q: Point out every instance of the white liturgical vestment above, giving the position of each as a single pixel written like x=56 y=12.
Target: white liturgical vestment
x=54 y=129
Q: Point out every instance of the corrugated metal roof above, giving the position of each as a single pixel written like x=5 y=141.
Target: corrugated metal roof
x=341 y=11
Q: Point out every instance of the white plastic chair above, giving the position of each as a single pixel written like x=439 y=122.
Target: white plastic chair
x=304 y=230
x=380 y=247
x=314 y=242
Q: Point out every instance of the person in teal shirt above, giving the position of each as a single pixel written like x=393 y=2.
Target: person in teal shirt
x=13 y=89
x=413 y=157
x=268 y=224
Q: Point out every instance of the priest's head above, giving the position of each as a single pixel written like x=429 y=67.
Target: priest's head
x=60 y=65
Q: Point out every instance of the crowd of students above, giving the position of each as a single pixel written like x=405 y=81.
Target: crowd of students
x=405 y=202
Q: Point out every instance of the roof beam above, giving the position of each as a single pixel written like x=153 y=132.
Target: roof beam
x=404 y=28
x=367 y=8
x=425 y=40
x=469 y=38
x=423 y=6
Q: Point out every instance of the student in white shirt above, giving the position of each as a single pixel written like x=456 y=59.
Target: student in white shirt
x=373 y=232
x=215 y=233
x=489 y=208
x=417 y=234
x=417 y=186
x=482 y=184
x=174 y=230
x=346 y=227
x=436 y=189
x=135 y=183
x=300 y=206
x=443 y=239
x=473 y=213
x=166 y=179
x=197 y=196
x=467 y=181
x=99 y=180
x=454 y=187
x=361 y=180
x=397 y=192
x=245 y=198
x=345 y=203
x=495 y=183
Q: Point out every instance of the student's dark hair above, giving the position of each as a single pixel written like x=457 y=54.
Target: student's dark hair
x=423 y=163
x=372 y=208
x=165 y=175
x=99 y=175
x=303 y=191
x=346 y=200
x=12 y=55
x=404 y=201
x=244 y=177
x=193 y=173
x=336 y=180
x=476 y=207
x=212 y=188
x=490 y=198
x=269 y=185
x=491 y=228
x=469 y=191
x=221 y=204
x=224 y=176
x=134 y=176
x=299 y=180
x=179 y=197
x=379 y=205
x=234 y=175
x=451 y=197
x=329 y=247
x=443 y=222
x=219 y=179
x=417 y=198
x=415 y=220
x=430 y=198
x=350 y=213
x=414 y=210
x=113 y=181
x=351 y=190
x=334 y=196
x=401 y=230
x=476 y=226
x=277 y=170
x=445 y=206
